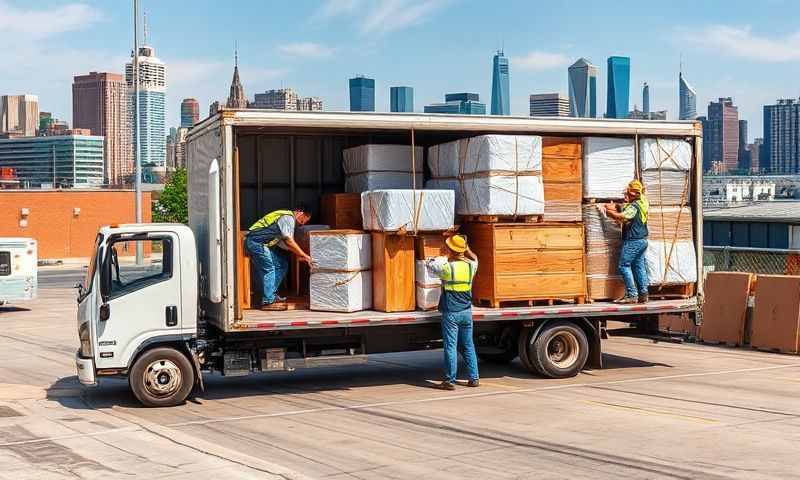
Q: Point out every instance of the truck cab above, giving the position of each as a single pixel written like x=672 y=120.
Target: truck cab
x=139 y=319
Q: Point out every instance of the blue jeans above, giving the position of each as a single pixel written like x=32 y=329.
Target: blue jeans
x=632 y=267
x=273 y=265
x=457 y=337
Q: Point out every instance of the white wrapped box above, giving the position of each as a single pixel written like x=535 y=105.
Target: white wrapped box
x=391 y=210
x=682 y=266
x=375 y=167
x=502 y=195
x=341 y=250
x=665 y=154
x=340 y=291
x=422 y=274
x=363 y=182
x=428 y=297
x=609 y=165
x=445 y=184
x=301 y=234
x=492 y=174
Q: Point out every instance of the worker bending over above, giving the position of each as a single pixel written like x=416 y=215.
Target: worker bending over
x=268 y=241
x=633 y=217
x=455 y=304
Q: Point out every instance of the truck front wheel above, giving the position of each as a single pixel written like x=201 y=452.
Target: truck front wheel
x=161 y=377
x=559 y=351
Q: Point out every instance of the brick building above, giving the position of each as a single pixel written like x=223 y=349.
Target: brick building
x=65 y=222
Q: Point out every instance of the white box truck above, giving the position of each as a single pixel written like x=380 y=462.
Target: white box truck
x=167 y=323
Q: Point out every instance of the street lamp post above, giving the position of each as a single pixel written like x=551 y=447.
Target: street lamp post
x=136 y=155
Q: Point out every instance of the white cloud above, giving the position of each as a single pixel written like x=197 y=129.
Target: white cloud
x=379 y=17
x=40 y=24
x=307 y=50
x=741 y=42
x=538 y=61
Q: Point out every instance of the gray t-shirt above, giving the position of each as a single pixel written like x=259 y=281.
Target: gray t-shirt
x=286 y=226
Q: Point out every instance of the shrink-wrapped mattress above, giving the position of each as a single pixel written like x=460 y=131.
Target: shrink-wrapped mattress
x=414 y=211
x=609 y=164
x=341 y=281
x=666 y=165
x=375 y=167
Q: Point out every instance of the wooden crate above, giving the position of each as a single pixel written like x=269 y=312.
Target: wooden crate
x=393 y=287
x=605 y=287
x=776 y=314
x=527 y=262
x=243 y=280
x=427 y=245
x=562 y=159
x=341 y=211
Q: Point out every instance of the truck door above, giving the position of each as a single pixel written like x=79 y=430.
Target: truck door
x=139 y=302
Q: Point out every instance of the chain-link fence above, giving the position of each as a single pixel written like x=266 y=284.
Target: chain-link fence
x=767 y=261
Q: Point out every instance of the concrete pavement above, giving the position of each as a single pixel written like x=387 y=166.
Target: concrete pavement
x=658 y=411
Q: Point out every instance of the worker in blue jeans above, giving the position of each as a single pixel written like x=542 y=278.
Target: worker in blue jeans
x=269 y=242
x=633 y=217
x=455 y=304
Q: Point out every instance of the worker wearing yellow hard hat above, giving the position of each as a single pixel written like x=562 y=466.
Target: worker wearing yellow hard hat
x=455 y=304
x=633 y=216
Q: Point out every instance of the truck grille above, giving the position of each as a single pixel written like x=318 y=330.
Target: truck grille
x=5 y=263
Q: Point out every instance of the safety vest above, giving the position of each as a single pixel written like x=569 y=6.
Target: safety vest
x=636 y=228
x=458 y=278
x=266 y=230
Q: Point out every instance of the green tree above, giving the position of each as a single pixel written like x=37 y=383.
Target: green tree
x=172 y=205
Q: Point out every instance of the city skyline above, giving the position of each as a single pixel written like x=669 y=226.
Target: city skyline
x=743 y=52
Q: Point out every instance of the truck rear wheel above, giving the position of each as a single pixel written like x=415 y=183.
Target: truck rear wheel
x=559 y=351
x=161 y=377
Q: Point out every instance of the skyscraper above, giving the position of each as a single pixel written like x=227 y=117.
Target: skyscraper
x=19 y=115
x=687 y=97
x=152 y=104
x=721 y=137
x=744 y=161
x=236 y=97
x=646 y=98
x=781 y=152
x=277 y=99
x=190 y=112
x=401 y=99
x=458 y=103
x=549 y=105
x=582 y=77
x=619 y=84
x=100 y=104
x=500 y=88
x=362 y=94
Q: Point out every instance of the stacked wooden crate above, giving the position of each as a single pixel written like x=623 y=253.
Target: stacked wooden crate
x=341 y=211
x=562 y=176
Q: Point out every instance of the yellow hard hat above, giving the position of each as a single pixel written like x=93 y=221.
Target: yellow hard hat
x=457 y=243
x=636 y=186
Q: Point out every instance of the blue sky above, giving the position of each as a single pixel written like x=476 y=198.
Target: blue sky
x=744 y=49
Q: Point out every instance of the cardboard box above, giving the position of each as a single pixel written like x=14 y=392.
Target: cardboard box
x=776 y=314
x=725 y=307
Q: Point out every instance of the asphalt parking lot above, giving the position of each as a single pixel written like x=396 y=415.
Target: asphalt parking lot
x=659 y=410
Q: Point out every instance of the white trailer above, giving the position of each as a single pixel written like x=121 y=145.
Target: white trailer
x=167 y=326
x=18 y=269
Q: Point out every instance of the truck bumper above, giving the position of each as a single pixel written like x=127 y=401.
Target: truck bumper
x=85 y=368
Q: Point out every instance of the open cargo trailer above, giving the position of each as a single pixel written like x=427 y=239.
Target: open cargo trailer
x=243 y=163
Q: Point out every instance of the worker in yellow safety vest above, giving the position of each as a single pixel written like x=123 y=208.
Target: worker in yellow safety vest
x=633 y=216
x=268 y=241
x=455 y=304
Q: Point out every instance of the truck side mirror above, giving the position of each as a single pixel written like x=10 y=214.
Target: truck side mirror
x=105 y=278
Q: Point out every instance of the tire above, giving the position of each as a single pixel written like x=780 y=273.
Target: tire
x=161 y=377
x=523 y=347
x=559 y=351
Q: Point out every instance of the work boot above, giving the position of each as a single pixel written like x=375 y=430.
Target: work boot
x=473 y=383
x=644 y=298
x=444 y=386
x=627 y=300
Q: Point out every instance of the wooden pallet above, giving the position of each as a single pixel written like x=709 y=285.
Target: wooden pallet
x=666 y=292
x=502 y=218
x=533 y=302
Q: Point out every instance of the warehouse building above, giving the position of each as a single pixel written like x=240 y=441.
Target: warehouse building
x=761 y=225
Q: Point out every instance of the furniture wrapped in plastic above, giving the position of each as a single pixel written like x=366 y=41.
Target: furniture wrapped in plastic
x=341 y=281
x=411 y=210
x=428 y=285
x=609 y=164
x=302 y=234
x=670 y=224
x=666 y=165
x=375 y=167
x=493 y=174
x=671 y=263
x=603 y=243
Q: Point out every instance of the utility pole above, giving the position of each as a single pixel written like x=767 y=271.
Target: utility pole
x=137 y=148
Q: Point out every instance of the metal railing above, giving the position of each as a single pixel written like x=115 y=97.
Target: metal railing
x=765 y=261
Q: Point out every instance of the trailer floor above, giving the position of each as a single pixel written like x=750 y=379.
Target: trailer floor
x=299 y=319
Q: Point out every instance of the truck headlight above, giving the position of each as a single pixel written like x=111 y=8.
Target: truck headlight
x=86 y=341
